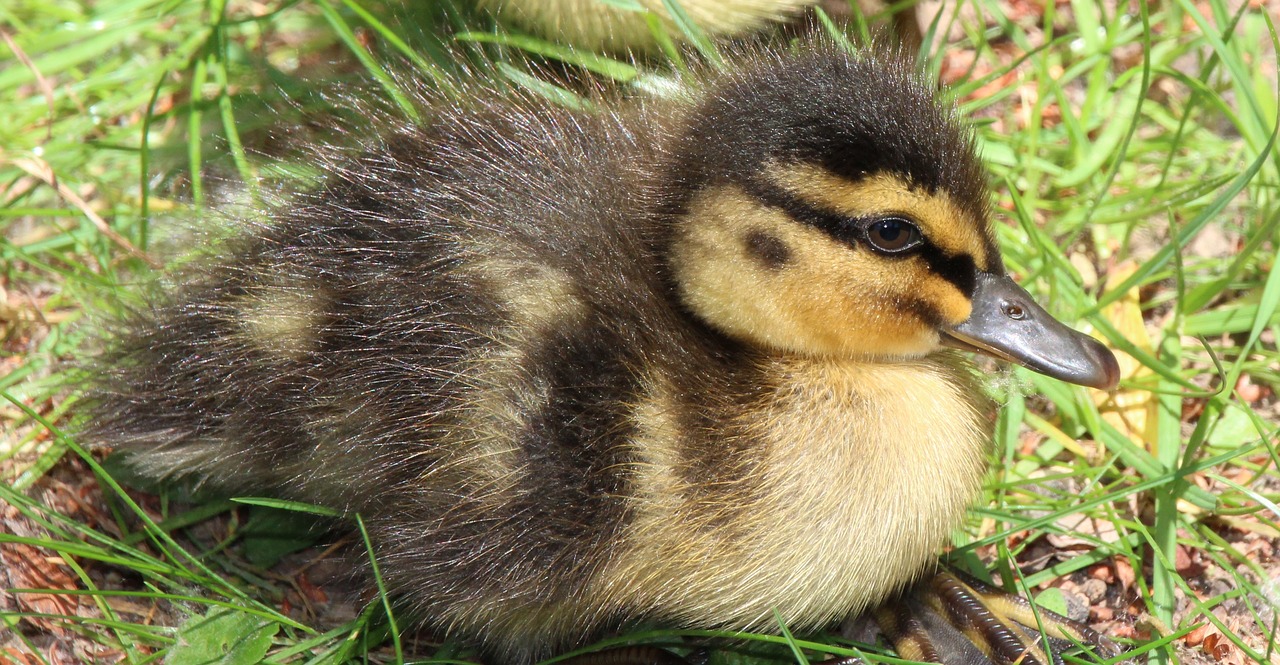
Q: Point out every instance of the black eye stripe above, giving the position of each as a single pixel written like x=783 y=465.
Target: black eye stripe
x=960 y=270
x=837 y=226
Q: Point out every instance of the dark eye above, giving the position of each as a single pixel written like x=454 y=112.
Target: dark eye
x=893 y=235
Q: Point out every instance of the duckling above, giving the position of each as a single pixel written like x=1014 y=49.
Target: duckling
x=680 y=361
x=597 y=25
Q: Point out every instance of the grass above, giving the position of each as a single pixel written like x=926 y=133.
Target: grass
x=1134 y=151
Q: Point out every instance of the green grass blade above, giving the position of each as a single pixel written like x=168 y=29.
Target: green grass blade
x=604 y=66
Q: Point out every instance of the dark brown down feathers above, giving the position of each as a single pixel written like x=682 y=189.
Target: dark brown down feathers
x=536 y=350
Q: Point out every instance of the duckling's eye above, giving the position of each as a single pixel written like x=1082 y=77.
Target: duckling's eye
x=893 y=235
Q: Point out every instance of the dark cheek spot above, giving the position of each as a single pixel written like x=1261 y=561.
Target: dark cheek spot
x=960 y=270
x=767 y=248
x=926 y=312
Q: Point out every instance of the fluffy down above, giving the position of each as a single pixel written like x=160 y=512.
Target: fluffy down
x=469 y=335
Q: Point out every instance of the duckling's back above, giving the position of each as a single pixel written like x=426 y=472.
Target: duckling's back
x=382 y=298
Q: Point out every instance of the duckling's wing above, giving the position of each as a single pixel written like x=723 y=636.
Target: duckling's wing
x=370 y=298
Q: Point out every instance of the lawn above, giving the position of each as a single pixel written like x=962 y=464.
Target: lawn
x=1133 y=153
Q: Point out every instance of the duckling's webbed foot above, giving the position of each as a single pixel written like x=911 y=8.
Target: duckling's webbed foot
x=957 y=620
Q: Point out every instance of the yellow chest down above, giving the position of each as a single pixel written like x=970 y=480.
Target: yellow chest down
x=865 y=470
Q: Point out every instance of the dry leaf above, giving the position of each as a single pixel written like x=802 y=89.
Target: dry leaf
x=1130 y=411
x=24 y=566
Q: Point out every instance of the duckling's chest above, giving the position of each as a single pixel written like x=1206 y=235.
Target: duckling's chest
x=874 y=465
x=862 y=471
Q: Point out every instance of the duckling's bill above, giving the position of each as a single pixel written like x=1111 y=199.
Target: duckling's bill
x=1008 y=324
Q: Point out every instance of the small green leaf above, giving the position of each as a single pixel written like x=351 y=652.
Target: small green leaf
x=1052 y=599
x=270 y=534
x=222 y=637
x=1233 y=429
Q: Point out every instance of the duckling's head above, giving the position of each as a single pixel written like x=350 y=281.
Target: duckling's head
x=833 y=207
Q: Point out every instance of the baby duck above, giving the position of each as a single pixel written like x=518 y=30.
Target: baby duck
x=598 y=25
x=675 y=361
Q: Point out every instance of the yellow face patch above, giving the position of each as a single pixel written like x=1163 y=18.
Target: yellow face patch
x=759 y=275
x=940 y=219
